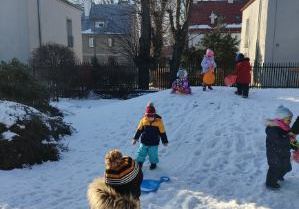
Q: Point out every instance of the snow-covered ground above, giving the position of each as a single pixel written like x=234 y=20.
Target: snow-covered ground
x=215 y=158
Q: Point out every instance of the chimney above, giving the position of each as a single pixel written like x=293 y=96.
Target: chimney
x=230 y=1
x=87 y=6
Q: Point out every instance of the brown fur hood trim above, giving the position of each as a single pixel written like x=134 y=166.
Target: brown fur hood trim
x=102 y=196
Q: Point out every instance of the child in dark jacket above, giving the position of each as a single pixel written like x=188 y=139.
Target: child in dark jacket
x=278 y=145
x=150 y=130
x=242 y=70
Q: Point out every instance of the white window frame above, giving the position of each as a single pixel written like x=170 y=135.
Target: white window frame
x=99 y=24
x=91 y=41
x=110 y=42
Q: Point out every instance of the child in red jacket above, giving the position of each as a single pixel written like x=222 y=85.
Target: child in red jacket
x=242 y=70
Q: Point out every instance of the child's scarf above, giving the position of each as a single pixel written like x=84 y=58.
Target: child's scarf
x=284 y=127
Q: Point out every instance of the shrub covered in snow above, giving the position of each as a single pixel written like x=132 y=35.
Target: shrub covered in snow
x=28 y=136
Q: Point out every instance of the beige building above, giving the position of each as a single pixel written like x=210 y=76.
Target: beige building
x=26 y=24
x=269 y=31
x=108 y=32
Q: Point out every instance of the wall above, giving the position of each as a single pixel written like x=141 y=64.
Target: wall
x=102 y=50
x=255 y=29
x=19 y=34
x=283 y=31
x=14 y=41
x=54 y=14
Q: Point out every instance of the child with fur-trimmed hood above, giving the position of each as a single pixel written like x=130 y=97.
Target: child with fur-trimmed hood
x=150 y=130
x=279 y=141
x=120 y=187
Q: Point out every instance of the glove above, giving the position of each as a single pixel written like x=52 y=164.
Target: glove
x=134 y=141
x=295 y=127
x=294 y=145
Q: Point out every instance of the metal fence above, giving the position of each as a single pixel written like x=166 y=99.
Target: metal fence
x=83 y=77
x=275 y=75
x=264 y=75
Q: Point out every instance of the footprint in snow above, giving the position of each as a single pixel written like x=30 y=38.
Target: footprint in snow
x=197 y=152
x=218 y=132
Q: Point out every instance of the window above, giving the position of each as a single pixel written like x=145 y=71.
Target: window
x=91 y=42
x=213 y=17
x=110 y=42
x=238 y=19
x=69 y=32
x=99 y=24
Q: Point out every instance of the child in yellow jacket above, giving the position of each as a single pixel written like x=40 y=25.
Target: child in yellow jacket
x=150 y=130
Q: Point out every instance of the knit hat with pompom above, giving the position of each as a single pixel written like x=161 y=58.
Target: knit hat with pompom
x=119 y=169
x=150 y=109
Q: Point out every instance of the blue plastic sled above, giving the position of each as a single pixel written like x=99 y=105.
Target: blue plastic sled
x=150 y=185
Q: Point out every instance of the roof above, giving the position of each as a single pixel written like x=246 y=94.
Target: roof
x=247 y=5
x=231 y=12
x=117 y=19
x=71 y=4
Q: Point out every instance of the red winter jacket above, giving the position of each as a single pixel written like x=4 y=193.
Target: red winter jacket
x=242 y=70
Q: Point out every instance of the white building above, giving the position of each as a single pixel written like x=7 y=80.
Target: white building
x=270 y=31
x=26 y=24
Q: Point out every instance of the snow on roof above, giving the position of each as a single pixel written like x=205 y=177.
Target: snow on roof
x=202 y=10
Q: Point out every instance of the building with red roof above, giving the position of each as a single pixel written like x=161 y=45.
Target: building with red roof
x=206 y=15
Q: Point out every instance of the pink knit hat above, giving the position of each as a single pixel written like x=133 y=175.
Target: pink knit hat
x=210 y=53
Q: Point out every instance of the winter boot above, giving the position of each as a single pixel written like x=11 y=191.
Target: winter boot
x=237 y=93
x=153 y=166
x=280 y=179
x=204 y=88
x=273 y=186
x=140 y=164
x=210 y=87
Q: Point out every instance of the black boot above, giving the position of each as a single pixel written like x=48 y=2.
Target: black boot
x=210 y=87
x=281 y=178
x=273 y=186
x=153 y=166
x=204 y=88
x=140 y=164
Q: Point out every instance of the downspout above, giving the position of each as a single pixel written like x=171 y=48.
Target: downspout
x=274 y=32
x=258 y=34
x=39 y=24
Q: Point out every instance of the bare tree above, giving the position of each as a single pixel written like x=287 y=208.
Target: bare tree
x=179 y=16
x=158 y=12
x=143 y=59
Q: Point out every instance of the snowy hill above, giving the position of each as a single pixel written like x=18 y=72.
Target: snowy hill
x=215 y=158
